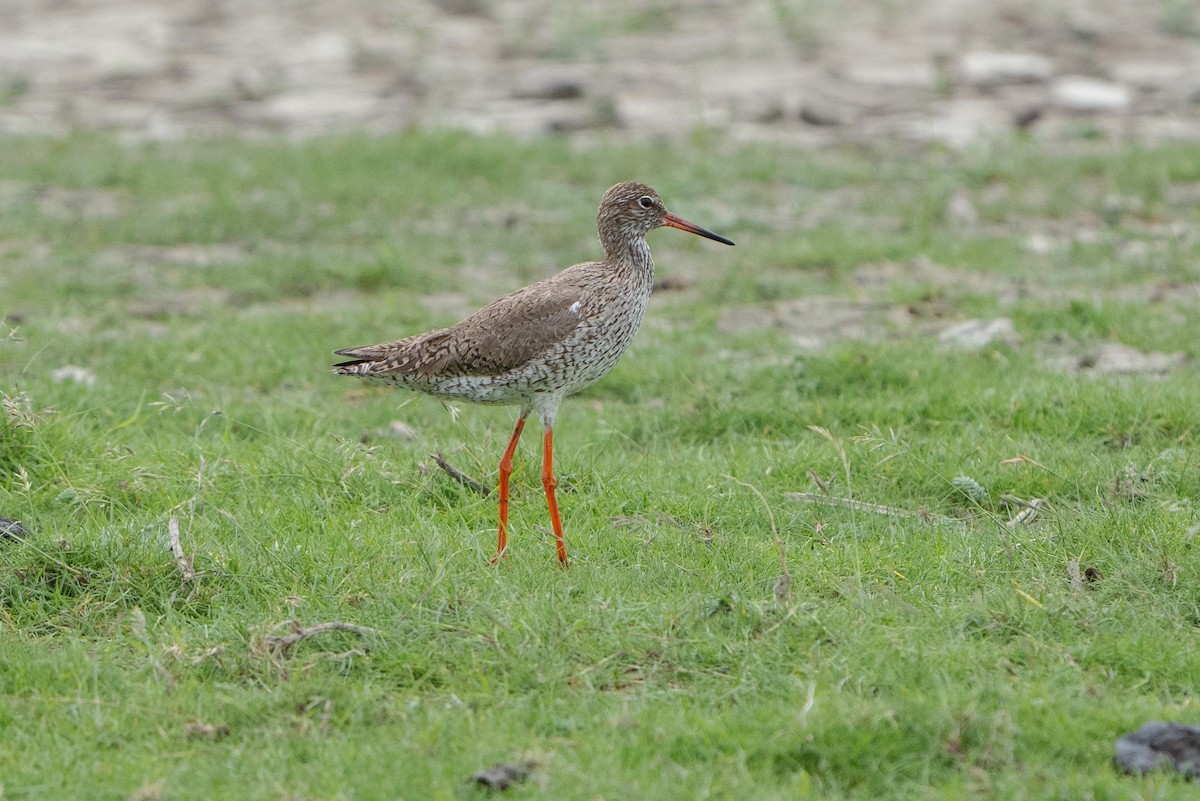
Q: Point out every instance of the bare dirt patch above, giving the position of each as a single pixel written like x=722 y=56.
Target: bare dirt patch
x=951 y=71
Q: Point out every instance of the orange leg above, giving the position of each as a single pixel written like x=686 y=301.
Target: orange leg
x=549 y=483
x=506 y=468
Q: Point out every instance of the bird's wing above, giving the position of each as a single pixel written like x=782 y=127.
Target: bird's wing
x=499 y=337
x=516 y=328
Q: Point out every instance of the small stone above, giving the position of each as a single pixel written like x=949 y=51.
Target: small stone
x=960 y=122
x=75 y=374
x=1077 y=93
x=976 y=334
x=1026 y=116
x=895 y=76
x=1115 y=357
x=329 y=48
x=961 y=210
x=746 y=318
x=996 y=69
x=12 y=530
x=256 y=83
x=1135 y=250
x=401 y=430
x=815 y=113
x=1043 y=244
x=201 y=730
x=1151 y=74
x=500 y=776
x=553 y=83
x=671 y=283
x=1171 y=746
x=316 y=107
x=766 y=111
x=465 y=8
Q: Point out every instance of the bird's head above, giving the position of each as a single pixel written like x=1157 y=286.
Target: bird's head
x=630 y=210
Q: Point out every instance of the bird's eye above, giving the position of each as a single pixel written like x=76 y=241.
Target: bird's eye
x=646 y=202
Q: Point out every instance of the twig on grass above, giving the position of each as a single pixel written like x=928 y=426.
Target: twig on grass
x=640 y=520
x=839 y=446
x=823 y=484
x=459 y=476
x=863 y=506
x=1075 y=576
x=280 y=645
x=1028 y=513
x=212 y=653
x=182 y=560
x=783 y=586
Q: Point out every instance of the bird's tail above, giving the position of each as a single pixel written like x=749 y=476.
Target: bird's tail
x=404 y=357
x=352 y=367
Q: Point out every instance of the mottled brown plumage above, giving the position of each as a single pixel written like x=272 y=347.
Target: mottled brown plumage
x=539 y=344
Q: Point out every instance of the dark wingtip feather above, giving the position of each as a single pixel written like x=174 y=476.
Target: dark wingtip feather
x=350 y=367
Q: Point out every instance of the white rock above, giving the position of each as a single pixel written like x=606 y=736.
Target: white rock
x=961 y=122
x=401 y=430
x=329 y=48
x=75 y=374
x=898 y=76
x=961 y=210
x=1115 y=357
x=975 y=334
x=995 y=69
x=320 y=106
x=1150 y=74
x=1077 y=93
x=1043 y=244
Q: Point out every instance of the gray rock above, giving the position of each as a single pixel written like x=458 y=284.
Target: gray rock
x=1116 y=357
x=816 y=113
x=1041 y=244
x=1172 y=746
x=961 y=122
x=976 y=334
x=12 y=530
x=556 y=82
x=996 y=69
x=316 y=108
x=258 y=83
x=501 y=775
x=1026 y=116
x=75 y=374
x=1077 y=93
x=894 y=76
x=465 y=8
x=961 y=210
x=1151 y=74
x=401 y=430
x=765 y=110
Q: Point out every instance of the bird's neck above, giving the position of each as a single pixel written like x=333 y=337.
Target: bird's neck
x=631 y=257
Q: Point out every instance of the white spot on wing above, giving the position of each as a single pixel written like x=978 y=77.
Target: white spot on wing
x=574 y=307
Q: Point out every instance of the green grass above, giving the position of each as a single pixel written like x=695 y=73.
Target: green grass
x=205 y=284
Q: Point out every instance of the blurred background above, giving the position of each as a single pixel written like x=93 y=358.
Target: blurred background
x=949 y=374
x=802 y=71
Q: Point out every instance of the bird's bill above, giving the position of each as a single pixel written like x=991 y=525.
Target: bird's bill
x=672 y=221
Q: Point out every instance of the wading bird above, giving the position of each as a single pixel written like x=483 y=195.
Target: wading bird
x=532 y=348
